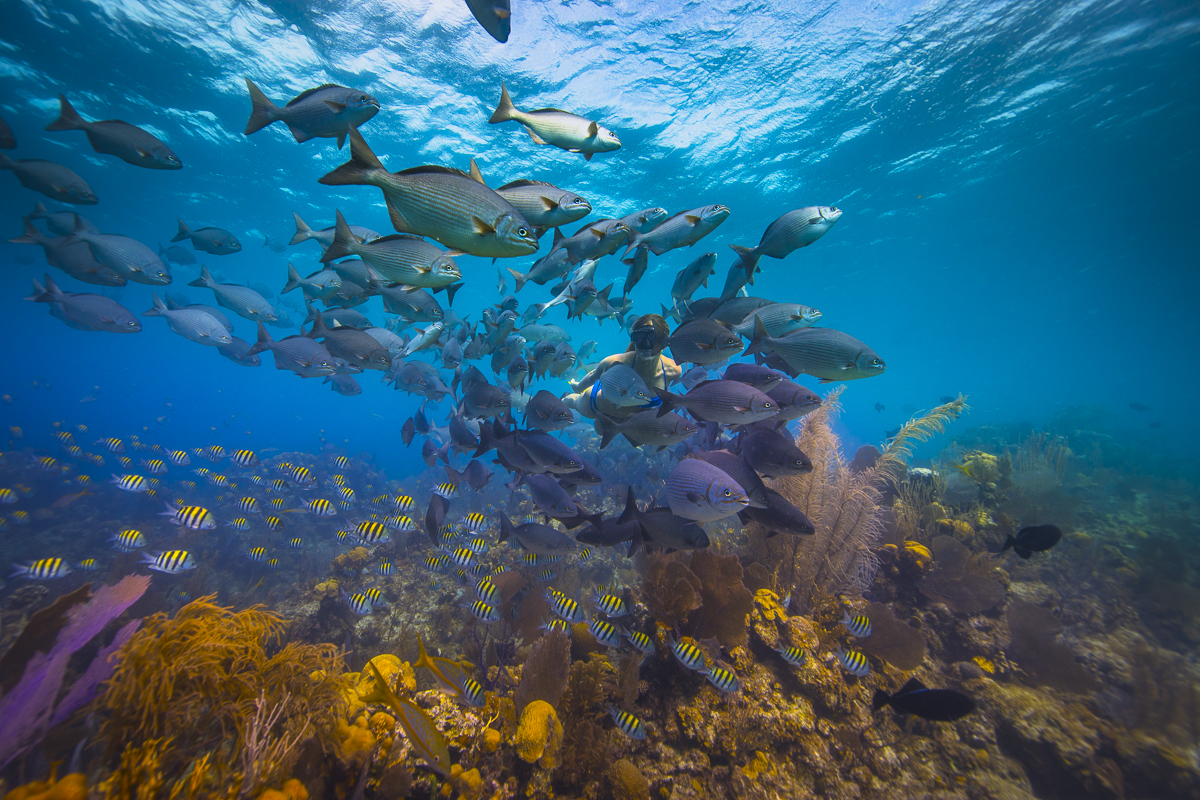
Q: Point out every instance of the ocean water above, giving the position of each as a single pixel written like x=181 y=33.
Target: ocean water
x=1018 y=187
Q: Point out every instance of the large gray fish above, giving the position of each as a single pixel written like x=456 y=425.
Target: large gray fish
x=779 y=516
x=214 y=241
x=694 y=377
x=682 y=230
x=553 y=126
x=51 y=179
x=506 y=351
x=71 y=256
x=662 y=527
x=760 y=377
x=238 y=351
x=547 y=413
x=175 y=255
x=646 y=428
x=481 y=399
x=343 y=384
x=84 y=311
x=179 y=301
x=351 y=345
x=779 y=319
x=390 y=341
x=300 y=354
x=494 y=16
x=645 y=220
x=241 y=300
x=329 y=111
x=593 y=241
x=637 y=269
x=545 y=333
x=724 y=402
x=703 y=341
x=452 y=354
x=553 y=265
x=821 y=352
x=7 y=140
x=733 y=311
x=445 y=204
x=735 y=280
x=517 y=372
x=540 y=539
x=61 y=223
x=400 y=258
x=113 y=137
x=793 y=230
x=794 y=400
x=693 y=276
x=622 y=386
x=320 y=285
x=549 y=452
x=333 y=317
x=544 y=205
x=774 y=455
x=547 y=495
x=564 y=359
x=735 y=466
x=191 y=323
x=699 y=491
x=324 y=237
x=127 y=257
x=509 y=452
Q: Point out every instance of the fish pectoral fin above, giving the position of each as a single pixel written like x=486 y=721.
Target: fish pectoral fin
x=593 y=128
x=704 y=346
x=596 y=233
x=341 y=140
x=550 y=205
x=398 y=220
x=692 y=218
x=481 y=227
x=143 y=153
x=501 y=13
x=536 y=139
x=335 y=106
x=814 y=221
x=695 y=497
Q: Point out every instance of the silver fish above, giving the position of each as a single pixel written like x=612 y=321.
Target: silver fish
x=324 y=237
x=83 y=311
x=191 y=323
x=645 y=220
x=703 y=341
x=544 y=205
x=553 y=265
x=593 y=241
x=61 y=223
x=779 y=319
x=553 y=126
x=351 y=345
x=300 y=354
x=793 y=230
x=113 y=137
x=328 y=111
x=693 y=276
x=821 y=352
x=344 y=385
x=179 y=302
x=400 y=258
x=682 y=230
x=51 y=179
x=724 y=402
x=241 y=300
x=71 y=256
x=697 y=490
x=646 y=428
x=127 y=257
x=794 y=400
x=320 y=285
x=238 y=351
x=214 y=241
x=622 y=386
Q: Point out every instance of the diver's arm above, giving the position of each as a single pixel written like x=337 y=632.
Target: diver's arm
x=587 y=380
x=672 y=372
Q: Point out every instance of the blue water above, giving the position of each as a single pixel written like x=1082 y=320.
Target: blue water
x=1018 y=181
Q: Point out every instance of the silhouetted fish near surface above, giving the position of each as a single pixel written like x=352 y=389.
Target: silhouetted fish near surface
x=937 y=705
x=494 y=16
x=214 y=241
x=328 y=111
x=51 y=179
x=113 y=137
x=1034 y=539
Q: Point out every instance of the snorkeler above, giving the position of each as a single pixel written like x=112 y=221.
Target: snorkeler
x=647 y=338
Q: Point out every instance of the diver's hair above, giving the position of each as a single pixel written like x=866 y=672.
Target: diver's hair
x=656 y=321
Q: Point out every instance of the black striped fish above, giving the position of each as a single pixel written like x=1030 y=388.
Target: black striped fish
x=296 y=544
x=302 y=477
x=171 y=562
x=248 y=505
x=320 y=507
x=273 y=523
x=858 y=625
x=605 y=632
x=642 y=642
x=257 y=554
x=436 y=563
x=689 y=655
x=372 y=533
x=43 y=569
x=130 y=483
x=239 y=524
x=128 y=540
x=462 y=557
x=853 y=662
x=112 y=445
x=474 y=522
x=244 y=458
x=628 y=724
x=610 y=605
x=482 y=611
x=565 y=607
x=179 y=458
x=341 y=462
x=722 y=678
x=88 y=565
x=155 y=466
x=386 y=567
x=446 y=490
x=359 y=604
x=194 y=517
x=793 y=655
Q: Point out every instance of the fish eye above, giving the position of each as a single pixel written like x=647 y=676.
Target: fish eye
x=728 y=493
x=522 y=232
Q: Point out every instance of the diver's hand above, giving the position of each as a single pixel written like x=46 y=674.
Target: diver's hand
x=574 y=386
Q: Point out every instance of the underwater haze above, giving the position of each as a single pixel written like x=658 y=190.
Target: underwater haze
x=907 y=510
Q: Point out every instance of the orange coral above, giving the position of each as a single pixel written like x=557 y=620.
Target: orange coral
x=357 y=558
x=70 y=787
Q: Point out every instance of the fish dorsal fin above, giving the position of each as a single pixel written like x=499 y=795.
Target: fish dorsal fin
x=397 y=237
x=475 y=174
x=912 y=686
x=434 y=169
x=522 y=182
x=309 y=92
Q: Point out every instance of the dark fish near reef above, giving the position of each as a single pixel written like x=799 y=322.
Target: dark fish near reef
x=51 y=179
x=646 y=428
x=549 y=452
x=328 y=111
x=703 y=341
x=937 y=705
x=779 y=516
x=793 y=230
x=445 y=204
x=684 y=229
x=821 y=352
x=547 y=495
x=699 y=491
x=83 y=311
x=494 y=16
x=736 y=467
x=553 y=126
x=540 y=539
x=774 y=455
x=725 y=402
x=794 y=400
x=214 y=241
x=113 y=137
x=1034 y=539
x=547 y=413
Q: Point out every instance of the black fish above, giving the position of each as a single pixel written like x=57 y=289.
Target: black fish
x=780 y=516
x=477 y=475
x=614 y=530
x=760 y=377
x=547 y=413
x=407 y=431
x=1032 y=540
x=938 y=705
x=429 y=452
x=879 y=406
x=774 y=455
x=435 y=515
x=946 y=399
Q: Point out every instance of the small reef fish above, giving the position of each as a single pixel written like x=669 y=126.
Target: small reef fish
x=937 y=705
x=853 y=662
x=257 y=554
x=128 y=540
x=43 y=569
x=359 y=604
x=482 y=611
x=605 y=632
x=172 y=562
x=1034 y=539
x=689 y=655
x=609 y=605
x=722 y=678
x=628 y=724
x=858 y=625
x=194 y=517
x=422 y=733
x=793 y=655
x=565 y=607
x=130 y=483
x=641 y=641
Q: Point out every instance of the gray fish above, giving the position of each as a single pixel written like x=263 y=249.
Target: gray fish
x=793 y=230
x=452 y=354
x=540 y=539
x=637 y=269
x=543 y=357
x=580 y=298
x=494 y=16
x=779 y=319
x=664 y=528
x=700 y=308
x=724 y=402
x=735 y=280
x=549 y=453
x=547 y=413
x=334 y=317
x=545 y=333
x=275 y=245
x=506 y=351
x=191 y=323
x=329 y=111
x=821 y=352
x=390 y=341
x=445 y=204
x=214 y=241
x=176 y=255
x=7 y=140
x=545 y=269
x=779 y=516
x=699 y=491
x=481 y=399
x=71 y=256
x=593 y=241
x=682 y=230
x=622 y=386
x=127 y=257
x=418 y=306
x=180 y=302
x=548 y=496
x=732 y=311
x=84 y=311
x=320 y=285
x=238 y=351
x=774 y=455
x=586 y=349
x=113 y=137
x=564 y=359
x=645 y=220
x=462 y=436
x=417 y=377
x=544 y=205
x=61 y=223
x=756 y=375
x=735 y=466
x=553 y=126
x=424 y=339
x=241 y=300
x=344 y=384
x=703 y=341
x=477 y=475
x=517 y=372
x=794 y=400
x=324 y=237
x=400 y=258
x=694 y=377
x=300 y=354
x=51 y=179
x=429 y=453
x=351 y=345
x=693 y=276
x=509 y=453
x=646 y=428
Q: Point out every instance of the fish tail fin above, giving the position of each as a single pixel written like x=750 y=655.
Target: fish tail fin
x=264 y=341
x=293 y=280
x=31 y=235
x=68 y=117
x=669 y=401
x=557 y=241
x=452 y=290
x=358 y=170
x=749 y=258
x=39 y=211
x=487 y=440
x=160 y=308
x=520 y=278
x=607 y=429
x=1009 y=542
x=6 y=162
x=632 y=244
x=262 y=110
x=40 y=293
x=505 y=110
x=303 y=232
x=758 y=340
x=205 y=279
x=506 y=528
x=184 y=231
x=631 y=509
x=266 y=241
x=880 y=700
x=319 y=329
x=343 y=240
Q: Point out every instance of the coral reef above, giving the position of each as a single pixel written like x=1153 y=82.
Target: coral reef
x=539 y=735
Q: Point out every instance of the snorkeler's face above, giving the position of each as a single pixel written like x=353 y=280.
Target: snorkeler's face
x=645 y=342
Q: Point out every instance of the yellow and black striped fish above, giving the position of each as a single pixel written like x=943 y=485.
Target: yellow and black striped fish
x=386 y=567
x=171 y=562
x=436 y=563
x=64 y=437
x=853 y=662
x=559 y=625
x=239 y=524
x=338 y=480
x=273 y=523
x=462 y=557
x=476 y=544
x=859 y=625
x=296 y=544
x=688 y=654
x=487 y=591
x=640 y=641
x=372 y=532
x=722 y=678
x=446 y=490
x=629 y=725
x=278 y=504
x=273 y=563
x=302 y=477
x=792 y=655
x=244 y=458
x=43 y=569
x=474 y=522
x=46 y=463
x=547 y=575
x=194 y=517
x=610 y=605
x=605 y=632
x=346 y=494
x=320 y=507
x=75 y=451
x=341 y=462
x=155 y=466
x=214 y=453
x=8 y=496
x=111 y=444
x=565 y=607
x=472 y=692
x=257 y=554
x=125 y=461
x=376 y=597
x=88 y=565
x=248 y=505
x=585 y=555
x=128 y=540
x=359 y=603
x=482 y=611
x=403 y=502
x=20 y=517
x=130 y=483
x=400 y=523
x=342 y=536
